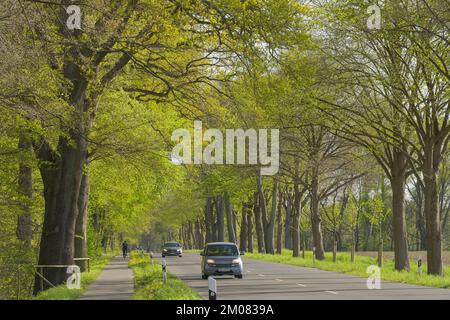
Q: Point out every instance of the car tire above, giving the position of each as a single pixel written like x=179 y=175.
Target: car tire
x=163 y=256
x=179 y=256
x=239 y=276
x=204 y=276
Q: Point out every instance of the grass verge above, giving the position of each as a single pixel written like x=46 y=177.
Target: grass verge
x=359 y=267
x=63 y=293
x=149 y=284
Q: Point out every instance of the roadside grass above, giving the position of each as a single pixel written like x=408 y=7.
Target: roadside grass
x=359 y=267
x=148 y=281
x=61 y=292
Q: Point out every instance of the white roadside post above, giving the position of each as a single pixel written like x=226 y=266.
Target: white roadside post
x=164 y=271
x=314 y=254
x=212 y=288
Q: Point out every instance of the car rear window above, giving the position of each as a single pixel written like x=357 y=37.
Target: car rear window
x=221 y=250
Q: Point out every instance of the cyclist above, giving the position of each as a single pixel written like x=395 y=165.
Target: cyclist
x=124 y=249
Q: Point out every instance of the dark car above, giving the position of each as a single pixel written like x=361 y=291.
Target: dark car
x=172 y=249
x=221 y=258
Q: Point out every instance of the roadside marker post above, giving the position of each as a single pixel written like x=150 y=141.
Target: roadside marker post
x=314 y=254
x=164 y=271
x=212 y=288
x=419 y=266
x=151 y=259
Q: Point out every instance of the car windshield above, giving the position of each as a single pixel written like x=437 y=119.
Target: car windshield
x=221 y=250
x=171 y=244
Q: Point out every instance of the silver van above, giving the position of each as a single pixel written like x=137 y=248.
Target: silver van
x=221 y=258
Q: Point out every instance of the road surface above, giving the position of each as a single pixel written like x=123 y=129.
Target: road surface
x=272 y=281
x=114 y=283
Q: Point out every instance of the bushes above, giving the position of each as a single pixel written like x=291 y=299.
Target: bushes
x=149 y=284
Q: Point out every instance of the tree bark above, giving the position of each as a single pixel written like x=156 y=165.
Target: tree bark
x=235 y=225
x=431 y=208
x=249 y=232
x=198 y=235
x=24 y=221
x=229 y=214
x=270 y=226
x=209 y=221
x=82 y=220
x=220 y=219
x=62 y=181
x=243 y=231
x=280 y=226
x=258 y=225
x=316 y=219
x=296 y=220
x=400 y=236
x=288 y=222
x=268 y=242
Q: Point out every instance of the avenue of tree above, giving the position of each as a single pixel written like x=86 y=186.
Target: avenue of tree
x=87 y=115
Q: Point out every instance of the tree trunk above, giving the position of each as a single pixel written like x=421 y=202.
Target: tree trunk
x=270 y=227
x=420 y=219
x=280 y=226
x=341 y=219
x=268 y=243
x=82 y=220
x=243 y=233
x=400 y=236
x=296 y=236
x=198 y=235
x=335 y=245
x=380 y=253
x=352 y=253
x=258 y=225
x=431 y=208
x=235 y=225
x=288 y=223
x=220 y=219
x=249 y=232
x=316 y=219
x=24 y=221
x=62 y=180
x=209 y=221
x=229 y=214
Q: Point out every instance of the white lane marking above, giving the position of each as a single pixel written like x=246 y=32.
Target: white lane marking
x=301 y=285
x=261 y=275
x=248 y=271
x=332 y=292
x=278 y=279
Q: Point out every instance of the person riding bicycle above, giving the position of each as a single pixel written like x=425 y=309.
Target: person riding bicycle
x=124 y=249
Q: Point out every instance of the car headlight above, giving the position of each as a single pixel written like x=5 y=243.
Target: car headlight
x=165 y=250
x=179 y=250
x=236 y=261
x=210 y=261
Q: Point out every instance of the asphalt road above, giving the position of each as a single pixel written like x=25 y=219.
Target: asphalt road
x=272 y=281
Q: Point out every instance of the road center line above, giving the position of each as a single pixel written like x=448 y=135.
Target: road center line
x=332 y=292
x=301 y=285
x=278 y=279
x=261 y=275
